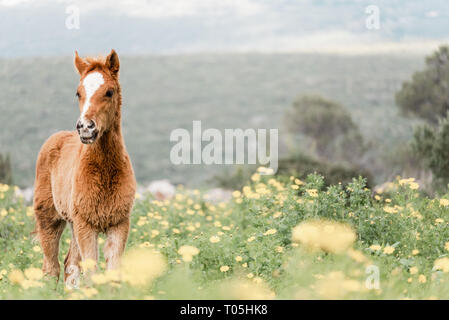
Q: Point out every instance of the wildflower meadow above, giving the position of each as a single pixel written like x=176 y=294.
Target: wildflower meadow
x=278 y=238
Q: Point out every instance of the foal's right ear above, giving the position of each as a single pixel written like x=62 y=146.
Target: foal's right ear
x=80 y=64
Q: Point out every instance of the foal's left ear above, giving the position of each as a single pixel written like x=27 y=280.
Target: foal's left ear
x=112 y=62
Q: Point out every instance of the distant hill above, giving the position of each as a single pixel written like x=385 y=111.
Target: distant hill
x=162 y=93
x=134 y=27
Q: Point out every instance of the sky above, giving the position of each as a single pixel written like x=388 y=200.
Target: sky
x=58 y=27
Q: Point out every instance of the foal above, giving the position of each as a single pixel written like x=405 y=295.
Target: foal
x=85 y=177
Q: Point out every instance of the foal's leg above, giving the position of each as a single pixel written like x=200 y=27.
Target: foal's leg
x=86 y=238
x=49 y=229
x=115 y=244
x=72 y=264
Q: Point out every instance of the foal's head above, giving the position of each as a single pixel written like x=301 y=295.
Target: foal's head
x=99 y=96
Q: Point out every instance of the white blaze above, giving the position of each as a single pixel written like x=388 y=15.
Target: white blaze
x=91 y=83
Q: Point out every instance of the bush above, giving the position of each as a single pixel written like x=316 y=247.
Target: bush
x=5 y=170
x=301 y=166
x=431 y=144
x=427 y=95
x=329 y=125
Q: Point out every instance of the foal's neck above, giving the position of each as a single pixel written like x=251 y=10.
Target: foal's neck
x=110 y=146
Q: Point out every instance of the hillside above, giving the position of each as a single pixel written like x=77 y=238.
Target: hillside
x=162 y=93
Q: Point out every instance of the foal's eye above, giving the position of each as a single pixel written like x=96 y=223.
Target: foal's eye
x=109 y=93
x=77 y=94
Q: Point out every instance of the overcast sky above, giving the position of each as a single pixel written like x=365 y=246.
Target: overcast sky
x=39 y=27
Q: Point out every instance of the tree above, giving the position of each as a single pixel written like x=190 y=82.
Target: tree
x=431 y=144
x=329 y=125
x=427 y=94
x=5 y=169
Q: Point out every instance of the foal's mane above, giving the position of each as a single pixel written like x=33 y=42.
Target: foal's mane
x=95 y=63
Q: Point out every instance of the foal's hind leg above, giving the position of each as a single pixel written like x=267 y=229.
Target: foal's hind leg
x=49 y=229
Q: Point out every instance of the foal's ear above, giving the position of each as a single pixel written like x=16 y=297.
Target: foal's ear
x=80 y=64
x=112 y=62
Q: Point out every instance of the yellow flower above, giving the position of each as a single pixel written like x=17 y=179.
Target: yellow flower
x=270 y=232
x=154 y=233
x=413 y=185
x=299 y=182
x=141 y=266
x=112 y=275
x=250 y=275
x=294 y=186
x=439 y=220
x=277 y=214
x=214 y=239
x=324 y=235
x=389 y=209
x=312 y=193
x=26 y=284
x=357 y=256
x=444 y=202
x=375 y=247
x=37 y=249
x=422 y=278
x=255 y=177
x=238 y=258
x=279 y=249
x=89 y=292
x=413 y=270
x=188 y=252
x=236 y=194
x=442 y=264
x=99 y=279
x=88 y=264
x=224 y=268
x=415 y=252
x=388 y=250
x=251 y=239
x=34 y=273
x=16 y=277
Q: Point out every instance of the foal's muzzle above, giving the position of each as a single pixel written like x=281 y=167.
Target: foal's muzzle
x=87 y=130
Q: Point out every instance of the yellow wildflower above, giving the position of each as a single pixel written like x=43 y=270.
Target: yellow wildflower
x=224 y=268
x=325 y=235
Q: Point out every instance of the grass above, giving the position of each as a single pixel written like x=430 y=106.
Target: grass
x=277 y=238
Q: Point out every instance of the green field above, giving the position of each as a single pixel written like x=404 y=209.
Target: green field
x=281 y=239
x=162 y=93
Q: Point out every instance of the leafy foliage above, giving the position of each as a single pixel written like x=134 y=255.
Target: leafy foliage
x=427 y=94
x=329 y=125
x=244 y=249
x=431 y=144
x=5 y=169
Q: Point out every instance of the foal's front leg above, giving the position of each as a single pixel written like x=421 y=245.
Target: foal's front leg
x=115 y=244
x=86 y=238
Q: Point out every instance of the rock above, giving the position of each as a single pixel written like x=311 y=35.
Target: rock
x=161 y=189
x=218 y=195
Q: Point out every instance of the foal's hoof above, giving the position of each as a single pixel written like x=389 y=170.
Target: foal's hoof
x=71 y=277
